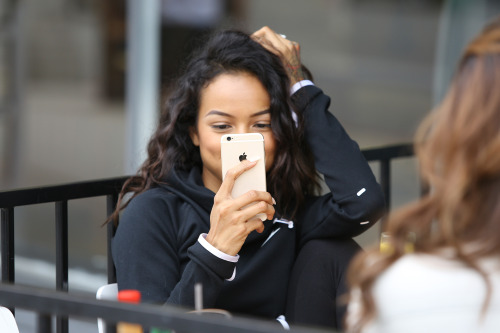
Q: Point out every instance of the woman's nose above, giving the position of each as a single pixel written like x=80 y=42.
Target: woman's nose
x=242 y=130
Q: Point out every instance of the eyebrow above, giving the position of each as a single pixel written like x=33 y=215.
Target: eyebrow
x=220 y=113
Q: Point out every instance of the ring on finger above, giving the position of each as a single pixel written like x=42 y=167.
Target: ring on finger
x=284 y=36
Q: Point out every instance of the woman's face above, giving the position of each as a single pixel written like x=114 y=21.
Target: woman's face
x=231 y=103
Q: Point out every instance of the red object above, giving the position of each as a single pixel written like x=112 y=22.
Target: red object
x=129 y=296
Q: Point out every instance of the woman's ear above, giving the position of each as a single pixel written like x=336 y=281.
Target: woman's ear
x=194 y=136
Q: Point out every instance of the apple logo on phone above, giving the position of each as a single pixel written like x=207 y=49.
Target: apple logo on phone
x=243 y=157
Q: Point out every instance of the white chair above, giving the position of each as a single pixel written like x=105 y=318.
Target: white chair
x=7 y=321
x=107 y=292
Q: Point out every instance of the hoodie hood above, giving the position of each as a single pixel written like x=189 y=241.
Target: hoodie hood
x=188 y=185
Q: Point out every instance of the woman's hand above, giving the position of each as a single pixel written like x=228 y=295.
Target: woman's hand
x=231 y=220
x=288 y=51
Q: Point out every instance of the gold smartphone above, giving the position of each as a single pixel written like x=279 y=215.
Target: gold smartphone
x=234 y=149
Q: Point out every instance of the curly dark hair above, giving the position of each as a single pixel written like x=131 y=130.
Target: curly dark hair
x=293 y=175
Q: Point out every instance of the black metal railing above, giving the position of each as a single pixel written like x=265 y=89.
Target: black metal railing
x=110 y=188
x=384 y=156
x=59 y=195
x=149 y=315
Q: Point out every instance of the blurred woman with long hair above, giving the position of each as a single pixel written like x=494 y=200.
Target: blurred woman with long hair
x=440 y=271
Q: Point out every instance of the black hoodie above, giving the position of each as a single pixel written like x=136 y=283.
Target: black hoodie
x=156 y=251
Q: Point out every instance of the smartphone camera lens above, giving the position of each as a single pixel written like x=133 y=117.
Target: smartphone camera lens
x=229 y=138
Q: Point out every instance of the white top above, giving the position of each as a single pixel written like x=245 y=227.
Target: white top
x=425 y=294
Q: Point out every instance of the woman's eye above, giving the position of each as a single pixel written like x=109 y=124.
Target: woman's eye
x=263 y=126
x=220 y=127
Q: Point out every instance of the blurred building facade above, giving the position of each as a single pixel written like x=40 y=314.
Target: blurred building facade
x=63 y=72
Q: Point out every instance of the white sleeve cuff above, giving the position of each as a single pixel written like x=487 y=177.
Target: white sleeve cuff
x=219 y=254
x=300 y=84
x=209 y=247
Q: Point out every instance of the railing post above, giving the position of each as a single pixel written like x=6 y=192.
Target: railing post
x=7 y=246
x=385 y=182
x=111 y=201
x=44 y=323
x=424 y=188
x=62 y=257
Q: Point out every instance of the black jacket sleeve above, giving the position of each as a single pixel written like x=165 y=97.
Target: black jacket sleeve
x=355 y=201
x=152 y=257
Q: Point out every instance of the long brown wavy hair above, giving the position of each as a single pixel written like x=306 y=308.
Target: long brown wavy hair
x=458 y=149
x=293 y=175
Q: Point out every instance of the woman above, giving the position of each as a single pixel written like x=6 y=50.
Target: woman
x=441 y=270
x=182 y=226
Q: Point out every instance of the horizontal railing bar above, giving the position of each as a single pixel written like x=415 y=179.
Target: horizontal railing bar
x=389 y=152
x=94 y=188
x=79 y=190
x=60 y=303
